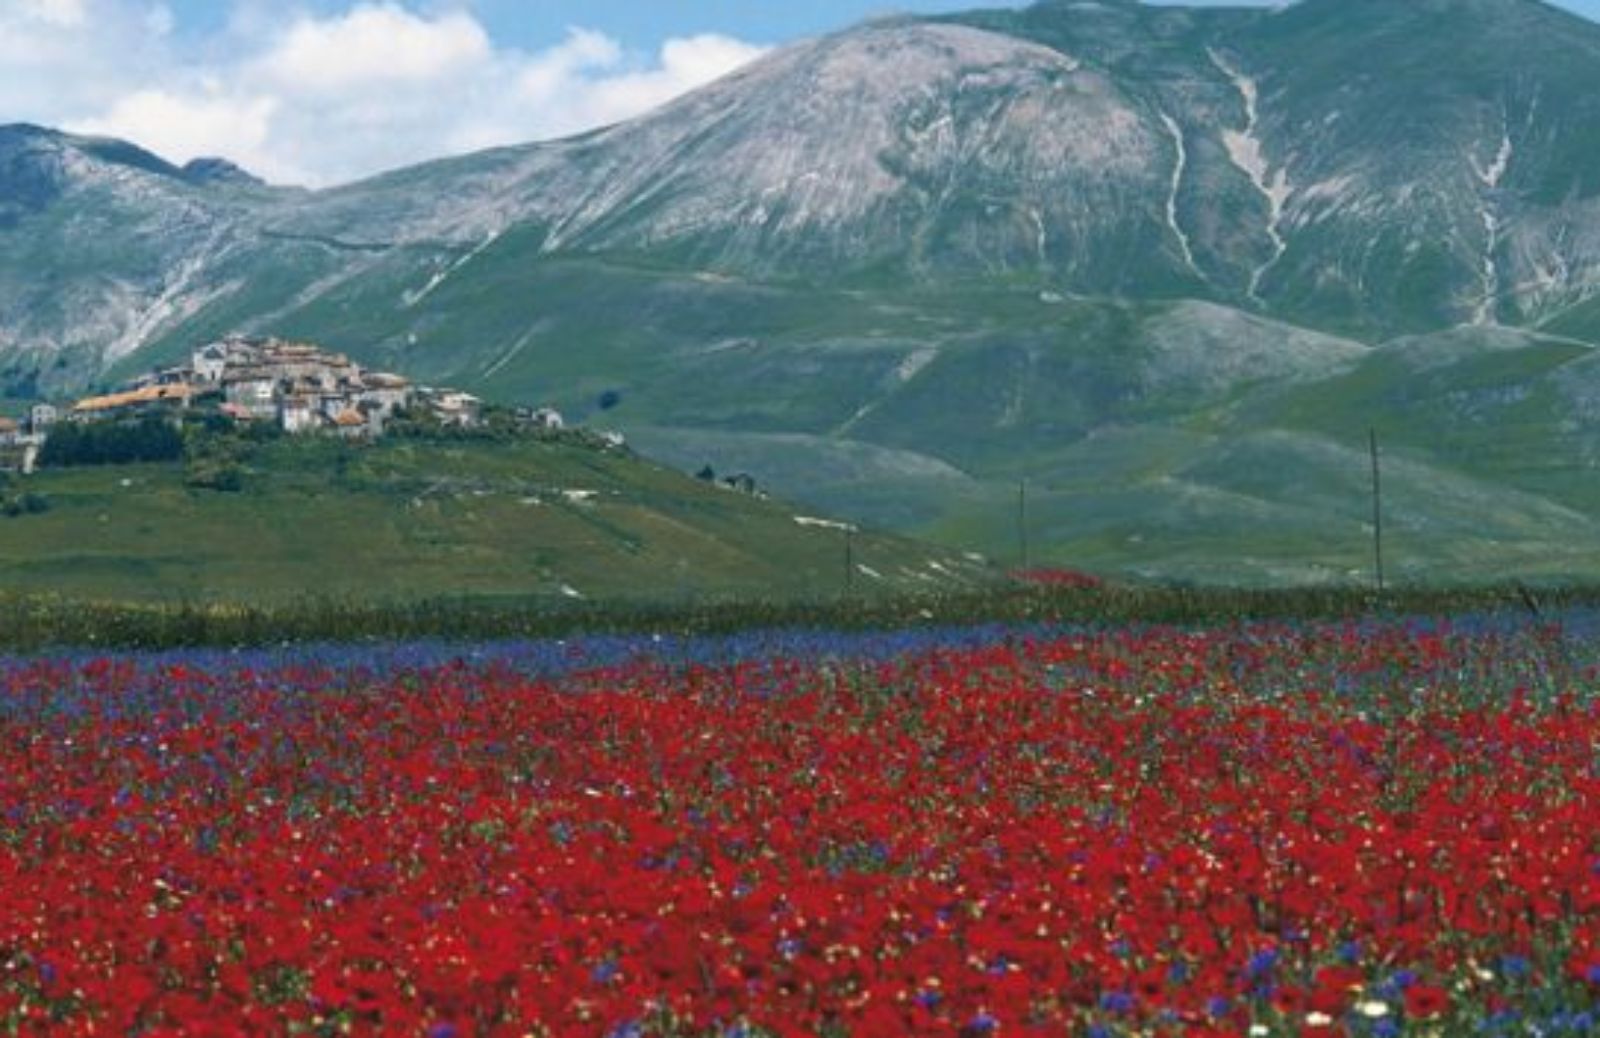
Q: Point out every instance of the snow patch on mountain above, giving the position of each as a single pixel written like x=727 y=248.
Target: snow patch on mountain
x=914 y=364
x=411 y=299
x=1179 y=167
x=1248 y=152
x=1490 y=176
x=184 y=294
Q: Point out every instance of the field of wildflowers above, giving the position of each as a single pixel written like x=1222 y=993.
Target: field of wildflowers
x=1368 y=828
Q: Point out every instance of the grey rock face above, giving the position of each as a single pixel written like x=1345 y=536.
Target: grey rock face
x=1364 y=167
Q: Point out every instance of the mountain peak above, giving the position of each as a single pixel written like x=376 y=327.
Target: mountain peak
x=24 y=131
x=54 y=153
x=212 y=170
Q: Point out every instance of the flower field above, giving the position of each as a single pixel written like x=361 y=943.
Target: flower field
x=1273 y=829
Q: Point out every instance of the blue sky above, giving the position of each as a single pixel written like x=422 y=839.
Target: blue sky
x=529 y=23
x=320 y=92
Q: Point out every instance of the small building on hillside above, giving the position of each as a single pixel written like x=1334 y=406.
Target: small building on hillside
x=453 y=407
x=41 y=417
x=300 y=413
x=332 y=405
x=540 y=418
x=253 y=389
x=386 y=393
x=211 y=363
x=22 y=457
x=352 y=424
x=307 y=364
x=152 y=399
x=10 y=432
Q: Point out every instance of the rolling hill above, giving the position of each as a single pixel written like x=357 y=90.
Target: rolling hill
x=409 y=520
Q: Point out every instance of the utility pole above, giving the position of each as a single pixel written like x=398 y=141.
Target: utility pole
x=1377 y=509
x=849 y=559
x=1022 y=522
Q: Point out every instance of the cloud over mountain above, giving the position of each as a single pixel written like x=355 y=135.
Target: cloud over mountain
x=314 y=100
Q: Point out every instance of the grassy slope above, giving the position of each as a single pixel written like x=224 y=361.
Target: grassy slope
x=1160 y=439
x=406 y=520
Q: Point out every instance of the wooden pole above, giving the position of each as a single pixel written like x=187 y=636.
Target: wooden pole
x=1022 y=522
x=849 y=559
x=1377 y=510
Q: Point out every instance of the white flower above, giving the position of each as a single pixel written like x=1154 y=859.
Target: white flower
x=1259 y=1030
x=1373 y=1009
x=1319 y=1020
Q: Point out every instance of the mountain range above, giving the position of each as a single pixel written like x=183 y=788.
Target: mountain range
x=1168 y=266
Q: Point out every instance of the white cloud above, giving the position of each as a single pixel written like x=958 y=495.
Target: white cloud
x=185 y=127
x=374 y=46
x=321 y=100
x=684 y=64
x=55 y=12
x=65 y=58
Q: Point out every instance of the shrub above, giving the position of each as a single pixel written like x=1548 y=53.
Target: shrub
x=147 y=439
x=24 y=504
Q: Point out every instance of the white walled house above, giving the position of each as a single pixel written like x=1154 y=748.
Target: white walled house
x=453 y=407
x=211 y=363
x=541 y=418
x=385 y=392
x=332 y=405
x=42 y=417
x=299 y=414
x=255 y=391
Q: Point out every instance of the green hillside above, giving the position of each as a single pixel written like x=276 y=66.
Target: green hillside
x=414 y=519
x=1166 y=265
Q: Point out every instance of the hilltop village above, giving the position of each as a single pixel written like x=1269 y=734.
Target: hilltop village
x=298 y=387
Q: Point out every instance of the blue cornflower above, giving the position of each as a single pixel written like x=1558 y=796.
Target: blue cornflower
x=1515 y=966
x=1116 y=1002
x=1263 y=962
x=605 y=972
x=1504 y=1017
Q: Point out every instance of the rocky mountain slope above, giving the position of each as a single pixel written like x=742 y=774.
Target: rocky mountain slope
x=1170 y=264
